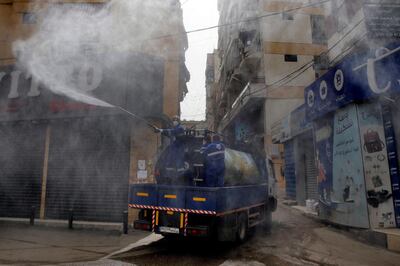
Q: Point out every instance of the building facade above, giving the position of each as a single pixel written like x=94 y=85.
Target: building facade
x=351 y=107
x=260 y=47
x=59 y=154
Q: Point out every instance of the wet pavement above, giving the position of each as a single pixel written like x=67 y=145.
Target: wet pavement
x=295 y=240
x=25 y=245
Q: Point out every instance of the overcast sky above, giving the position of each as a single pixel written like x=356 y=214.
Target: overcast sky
x=198 y=14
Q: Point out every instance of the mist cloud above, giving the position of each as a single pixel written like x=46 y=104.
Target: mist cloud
x=74 y=43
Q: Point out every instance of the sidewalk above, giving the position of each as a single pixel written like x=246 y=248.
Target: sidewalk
x=41 y=245
x=95 y=226
x=386 y=238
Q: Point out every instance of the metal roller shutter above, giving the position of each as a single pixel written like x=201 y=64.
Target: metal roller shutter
x=290 y=171
x=88 y=170
x=21 y=163
x=311 y=175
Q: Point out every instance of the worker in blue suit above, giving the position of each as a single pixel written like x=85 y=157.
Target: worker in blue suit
x=215 y=163
x=175 y=161
x=176 y=131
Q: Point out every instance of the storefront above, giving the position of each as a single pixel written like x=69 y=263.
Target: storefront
x=58 y=155
x=299 y=171
x=351 y=108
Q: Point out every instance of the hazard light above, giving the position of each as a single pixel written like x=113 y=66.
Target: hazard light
x=197 y=231
x=142 y=225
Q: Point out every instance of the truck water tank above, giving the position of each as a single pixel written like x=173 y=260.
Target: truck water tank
x=240 y=169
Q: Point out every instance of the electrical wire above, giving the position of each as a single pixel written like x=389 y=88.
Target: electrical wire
x=240 y=21
x=308 y=65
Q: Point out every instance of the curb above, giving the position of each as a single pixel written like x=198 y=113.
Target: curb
x=377 y=238
x=77 y=225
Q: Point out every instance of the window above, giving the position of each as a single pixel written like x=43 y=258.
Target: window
x=291 y=58
x=29 y=18
x=287 y=16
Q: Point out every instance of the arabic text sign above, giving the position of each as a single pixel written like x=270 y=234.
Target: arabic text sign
x=382 y=20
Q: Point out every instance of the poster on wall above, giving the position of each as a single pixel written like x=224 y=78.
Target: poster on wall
x=348 y=193
x=323 y=129
x=376 y=166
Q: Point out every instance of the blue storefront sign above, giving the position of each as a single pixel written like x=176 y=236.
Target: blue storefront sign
x=368 y=75
x=334 y=104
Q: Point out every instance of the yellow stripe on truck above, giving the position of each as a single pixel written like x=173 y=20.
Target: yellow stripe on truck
x=182 y=219
x=142 y=194
x=157 y=217
x=170 y=196
x=199 y=199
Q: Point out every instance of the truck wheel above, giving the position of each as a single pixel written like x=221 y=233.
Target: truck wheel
x=242 y=229
x=268 y=222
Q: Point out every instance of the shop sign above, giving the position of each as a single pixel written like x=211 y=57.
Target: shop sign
x=136 y=84
x=373 y=74
x=382 y=19
x=348 y=193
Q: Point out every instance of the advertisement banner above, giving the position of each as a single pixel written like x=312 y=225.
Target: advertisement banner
x=348 y=194
x=382 y=19
x=376 y=166
x=323 y=129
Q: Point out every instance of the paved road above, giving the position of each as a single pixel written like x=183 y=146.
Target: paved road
x=26 y=245
x=295 y=240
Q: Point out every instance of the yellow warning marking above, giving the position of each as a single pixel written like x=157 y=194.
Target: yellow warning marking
x=156 y=217
x=142 y=194
x=182 y=219
x=200 y=199
x=170 y=213
x=170 y=196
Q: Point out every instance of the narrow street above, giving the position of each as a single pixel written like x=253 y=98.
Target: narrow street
x=295 y=240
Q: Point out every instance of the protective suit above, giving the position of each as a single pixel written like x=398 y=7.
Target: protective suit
x=175 y=160
x=215 y=164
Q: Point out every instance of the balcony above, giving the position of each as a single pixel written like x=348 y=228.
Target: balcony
x=252 y=97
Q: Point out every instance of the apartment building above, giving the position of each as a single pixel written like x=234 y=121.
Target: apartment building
x=354 y=97
x=63 y=155
x=261 y=45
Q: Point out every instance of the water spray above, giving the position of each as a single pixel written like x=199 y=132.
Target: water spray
x=138 y=117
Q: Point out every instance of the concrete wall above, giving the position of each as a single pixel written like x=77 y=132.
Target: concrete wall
x=276 y=69
x=278 y=29
x=348 y=32
x=144 y=143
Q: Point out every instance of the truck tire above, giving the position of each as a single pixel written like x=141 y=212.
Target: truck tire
x=272 y=204
x=267 y=225
x=242 y=228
